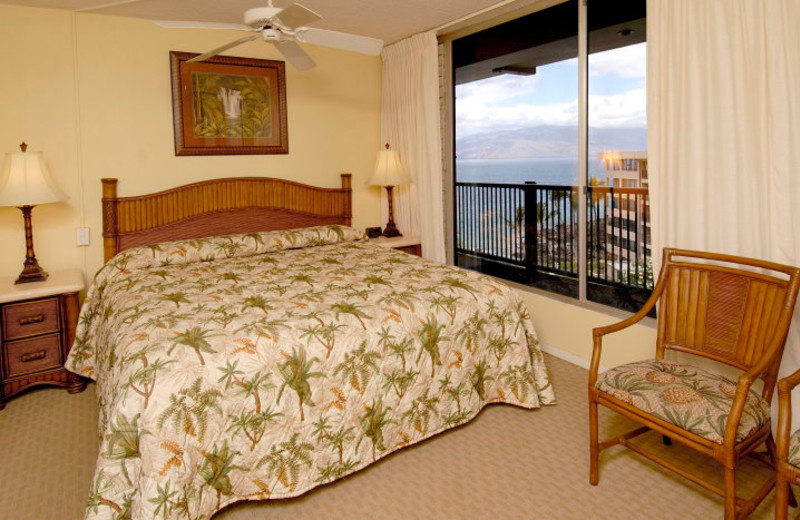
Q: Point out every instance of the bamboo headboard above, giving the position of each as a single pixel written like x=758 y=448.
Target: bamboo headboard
x=219 y=207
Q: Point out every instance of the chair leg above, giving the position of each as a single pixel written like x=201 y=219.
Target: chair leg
x=773 y=455
x=730 y=493
x=594 y=446
x=782 y=492
x=772 y=450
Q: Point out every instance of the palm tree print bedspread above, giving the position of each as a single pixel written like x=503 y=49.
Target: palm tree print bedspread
x=258 y=366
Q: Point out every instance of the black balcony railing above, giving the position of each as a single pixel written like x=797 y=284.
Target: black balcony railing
x=529 y=233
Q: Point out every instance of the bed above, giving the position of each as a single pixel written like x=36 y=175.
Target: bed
x=248 y=344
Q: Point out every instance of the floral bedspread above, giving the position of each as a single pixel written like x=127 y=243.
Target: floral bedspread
x=258 y=366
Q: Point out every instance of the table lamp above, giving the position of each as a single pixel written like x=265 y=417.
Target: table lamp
x=25 y=183
x=389 y=173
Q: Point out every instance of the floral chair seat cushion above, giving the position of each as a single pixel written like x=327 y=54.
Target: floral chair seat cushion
x=794 y=449
x=684 y=395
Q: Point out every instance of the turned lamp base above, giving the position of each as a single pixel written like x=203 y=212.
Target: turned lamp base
x=31 y=271
x=391 y=230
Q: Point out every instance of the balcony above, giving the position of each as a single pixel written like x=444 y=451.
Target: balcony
x=528 y=233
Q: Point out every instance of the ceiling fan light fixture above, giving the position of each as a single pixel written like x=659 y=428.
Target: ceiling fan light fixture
x=268 y=34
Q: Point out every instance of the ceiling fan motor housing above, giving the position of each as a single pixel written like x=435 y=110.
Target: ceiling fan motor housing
x=260 y=16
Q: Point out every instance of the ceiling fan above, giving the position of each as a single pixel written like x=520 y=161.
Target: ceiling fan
x=284 y=28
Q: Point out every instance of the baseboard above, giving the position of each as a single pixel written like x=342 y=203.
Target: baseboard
x=568 y=356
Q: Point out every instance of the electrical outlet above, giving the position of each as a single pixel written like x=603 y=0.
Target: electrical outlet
x=82 y=236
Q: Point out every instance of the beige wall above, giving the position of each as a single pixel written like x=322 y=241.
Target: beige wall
x=565 y=329
x=93 y=93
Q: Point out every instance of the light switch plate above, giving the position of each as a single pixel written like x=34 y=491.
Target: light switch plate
x=82 y=236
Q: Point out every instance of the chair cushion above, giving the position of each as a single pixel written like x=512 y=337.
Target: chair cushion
x=688 y=397
x=794 y=449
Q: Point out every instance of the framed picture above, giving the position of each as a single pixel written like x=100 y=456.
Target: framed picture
x=228 y=106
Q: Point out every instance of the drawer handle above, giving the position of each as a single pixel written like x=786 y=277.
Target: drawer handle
x=33 y=356
x=30 y=320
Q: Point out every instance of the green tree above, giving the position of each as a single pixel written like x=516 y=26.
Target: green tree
x=448 y=304
x=404 y=299
x=324 y=334
x=216 y=469
x=177 y=298
x=454 y=283
x=455 y=393
x=143 y=380
x=188 y=409
x=472 y=331
x=399 y=380
x=196 y=338
x=253 y=424
x=373 y=421
x=229 y=247
x=422 y=410
x=296 y=373
x=498 y=346
x=123 y=442
x=164 y=501
x=478 y=378
x=285 y=460
x=257 y=302
x=351 y=309
x=430 y=336
x=102 y=485
x=520 y=380
x=358 y=367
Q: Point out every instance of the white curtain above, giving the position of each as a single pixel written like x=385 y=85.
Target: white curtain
x=724 y=131
x=410 y=123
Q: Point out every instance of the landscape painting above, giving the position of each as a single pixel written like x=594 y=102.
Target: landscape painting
x=228 y=105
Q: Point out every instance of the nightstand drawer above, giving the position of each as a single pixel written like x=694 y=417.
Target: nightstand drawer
x=415 y=249
x=33 y=355
x=22 y=320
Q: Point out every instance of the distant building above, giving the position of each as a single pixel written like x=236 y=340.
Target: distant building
x=628 y=227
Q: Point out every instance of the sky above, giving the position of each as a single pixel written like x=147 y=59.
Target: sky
x=617 y=95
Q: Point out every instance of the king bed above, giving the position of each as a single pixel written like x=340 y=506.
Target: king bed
x=248 y=344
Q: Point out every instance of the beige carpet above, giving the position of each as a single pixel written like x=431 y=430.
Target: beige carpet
x=508 y=463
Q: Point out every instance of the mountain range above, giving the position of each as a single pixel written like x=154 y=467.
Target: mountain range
x=547 y=141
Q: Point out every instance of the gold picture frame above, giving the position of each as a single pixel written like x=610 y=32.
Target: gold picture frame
x=227 y=105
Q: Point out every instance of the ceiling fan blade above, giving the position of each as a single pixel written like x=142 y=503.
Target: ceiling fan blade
x=295 y=16
x=339 y=40
x=224 y=48
x=295 y=55
x=180 y=24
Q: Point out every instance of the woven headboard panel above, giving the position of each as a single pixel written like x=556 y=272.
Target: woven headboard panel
x=219 y=207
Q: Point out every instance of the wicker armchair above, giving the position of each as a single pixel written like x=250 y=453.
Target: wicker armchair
x=788 y=447
x=719 y=307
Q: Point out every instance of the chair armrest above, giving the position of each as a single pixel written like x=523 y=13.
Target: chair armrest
x=788 y=383
x=783 y=429
x=599 y=332
x=743 y=384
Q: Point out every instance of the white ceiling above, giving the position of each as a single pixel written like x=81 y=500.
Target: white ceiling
x=388 y=20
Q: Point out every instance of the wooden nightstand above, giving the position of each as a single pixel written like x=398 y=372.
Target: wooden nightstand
x=38 y=327
x=407 y=244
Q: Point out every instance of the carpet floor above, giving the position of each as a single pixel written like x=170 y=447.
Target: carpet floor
x=508 y=463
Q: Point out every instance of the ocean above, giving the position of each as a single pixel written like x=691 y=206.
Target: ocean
x=543 y=170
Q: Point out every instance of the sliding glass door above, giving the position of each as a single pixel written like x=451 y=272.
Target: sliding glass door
x=550 y=152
